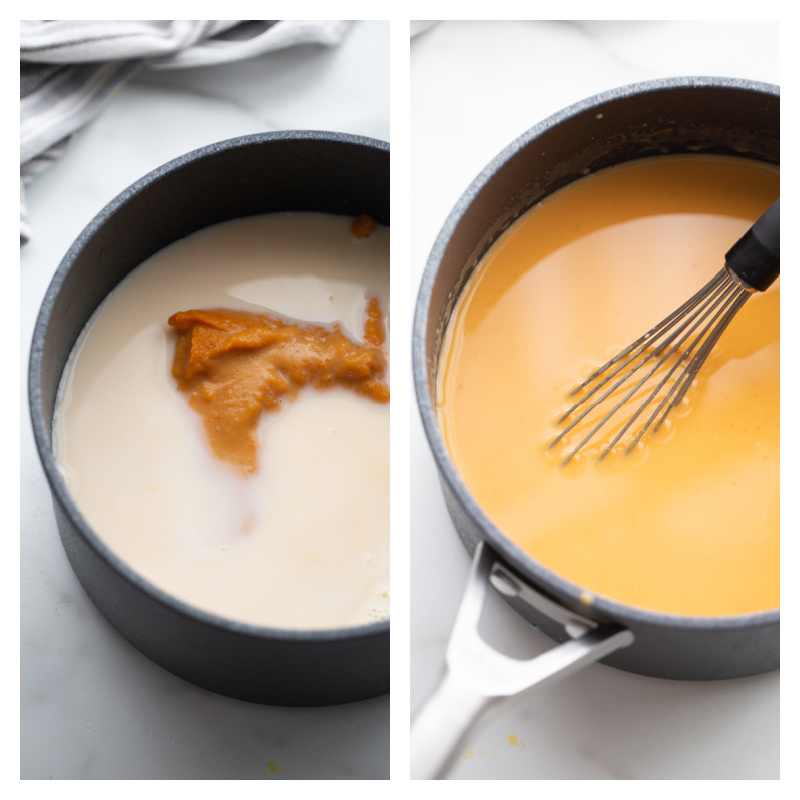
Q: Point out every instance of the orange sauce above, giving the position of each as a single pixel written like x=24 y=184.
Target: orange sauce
x=689 y=522
x=235 y=364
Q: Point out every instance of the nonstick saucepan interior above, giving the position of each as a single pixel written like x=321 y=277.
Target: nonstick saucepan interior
x=709 y=115
x=270 y=172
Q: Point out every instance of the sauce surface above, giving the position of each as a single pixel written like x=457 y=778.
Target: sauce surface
x=689 y=522
x=303 y=541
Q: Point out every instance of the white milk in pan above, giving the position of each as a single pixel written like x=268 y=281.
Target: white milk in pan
x=303 y=542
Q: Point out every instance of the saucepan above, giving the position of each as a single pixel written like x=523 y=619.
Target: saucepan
x=262 y=173
x=711 y=115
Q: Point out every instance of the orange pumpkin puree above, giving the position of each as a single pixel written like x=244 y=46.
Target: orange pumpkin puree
x=235 y=364
x=688 y=523
x=362 y=226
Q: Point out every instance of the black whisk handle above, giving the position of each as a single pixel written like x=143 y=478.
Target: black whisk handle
x=756 y=257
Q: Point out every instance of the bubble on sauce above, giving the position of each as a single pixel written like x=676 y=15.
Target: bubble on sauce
x=576 y=466
x=665 y=433
x=621 y=459
x=639 y=454
x=377 y=614
x=379 y=609
x=681 y=409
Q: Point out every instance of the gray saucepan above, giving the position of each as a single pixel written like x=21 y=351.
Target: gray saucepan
x=270 y=172
x=711 y=115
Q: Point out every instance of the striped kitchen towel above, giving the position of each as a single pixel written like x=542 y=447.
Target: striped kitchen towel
x=70 y=69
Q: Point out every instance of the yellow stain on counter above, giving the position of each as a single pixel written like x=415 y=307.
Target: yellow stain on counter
x=513 y=741
x=273 y=767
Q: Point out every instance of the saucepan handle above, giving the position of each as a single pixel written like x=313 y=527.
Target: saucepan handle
x=478 y=678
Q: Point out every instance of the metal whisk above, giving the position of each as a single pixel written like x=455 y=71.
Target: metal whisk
x=663 y=363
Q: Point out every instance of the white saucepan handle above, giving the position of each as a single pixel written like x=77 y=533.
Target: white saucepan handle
x=478 y=678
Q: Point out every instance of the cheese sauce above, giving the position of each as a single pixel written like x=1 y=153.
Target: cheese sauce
x=301 y=541
x=689 y=522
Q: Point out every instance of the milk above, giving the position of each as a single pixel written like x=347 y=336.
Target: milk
x=304 y=542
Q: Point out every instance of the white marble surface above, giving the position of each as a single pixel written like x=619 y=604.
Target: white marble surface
x=91 y=706
x=476 y=86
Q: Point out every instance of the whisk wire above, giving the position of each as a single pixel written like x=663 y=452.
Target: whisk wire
x=740 y=298
x=719 y=294
x=714 y=285
x=752 y=264
x=697 y=318
x=708 y=336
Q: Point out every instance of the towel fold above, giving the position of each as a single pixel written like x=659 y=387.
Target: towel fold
x=70 y=69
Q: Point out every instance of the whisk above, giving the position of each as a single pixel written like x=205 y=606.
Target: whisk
x=671 y=354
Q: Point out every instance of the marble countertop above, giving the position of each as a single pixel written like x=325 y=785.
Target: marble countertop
x=475 y=87
x=92 y=707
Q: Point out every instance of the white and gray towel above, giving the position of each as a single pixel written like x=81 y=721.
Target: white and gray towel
x=69 y=69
